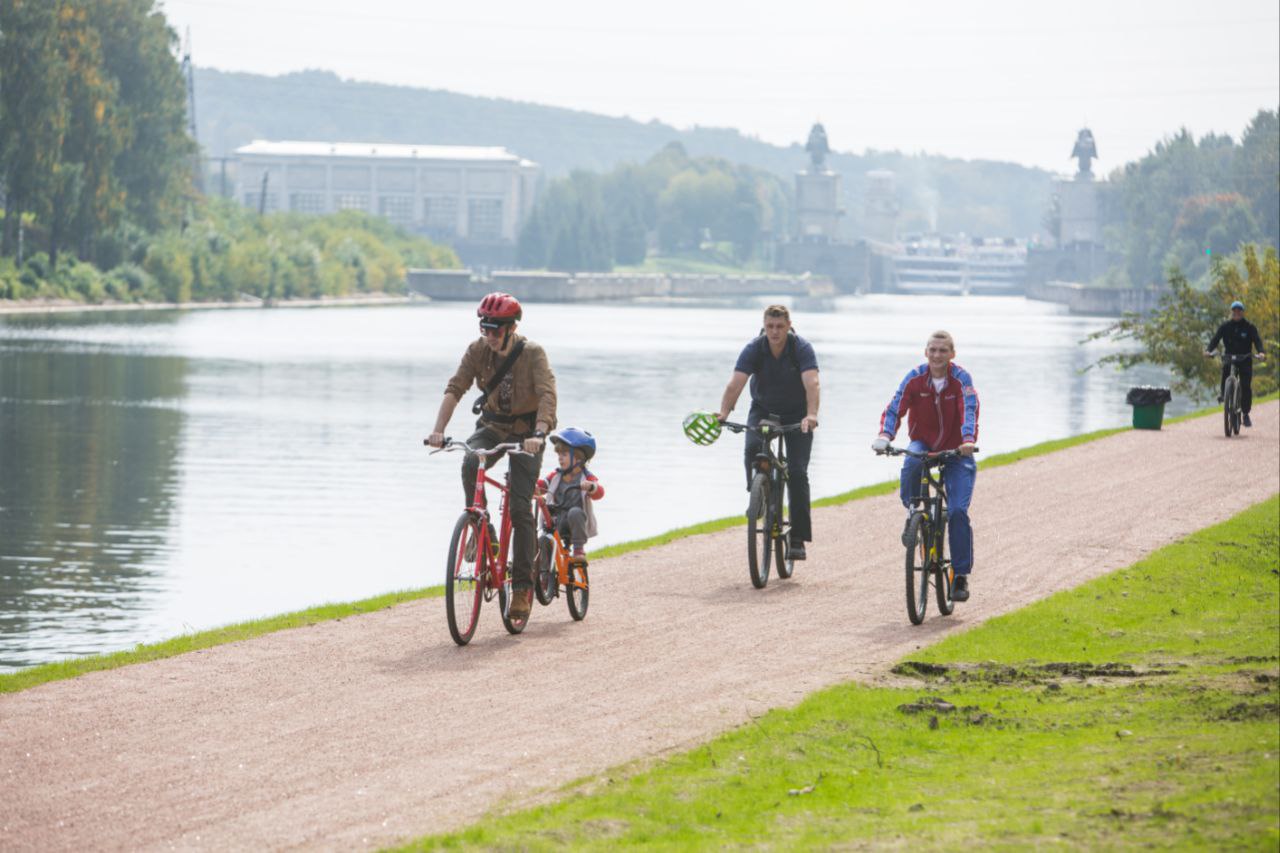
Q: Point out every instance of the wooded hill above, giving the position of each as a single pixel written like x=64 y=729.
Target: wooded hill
x=975 y=197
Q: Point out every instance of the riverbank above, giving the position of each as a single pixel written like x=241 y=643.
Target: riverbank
x=1134 y=710
x=42 y=674
x=69 y=306
x=32 y=676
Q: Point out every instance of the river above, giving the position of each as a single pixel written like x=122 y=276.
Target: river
x=171 y=471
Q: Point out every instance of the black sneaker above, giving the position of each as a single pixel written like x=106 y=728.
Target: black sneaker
x=907 y=540
x=960 y=588
x=796 y=551
x=1247 y=422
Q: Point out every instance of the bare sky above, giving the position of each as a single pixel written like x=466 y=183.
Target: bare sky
x=996 y=80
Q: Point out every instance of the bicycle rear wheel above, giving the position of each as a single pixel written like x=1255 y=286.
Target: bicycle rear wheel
x=758 y=524
x=464 y=579
x=1229 y=407
x=917 y=567
x=576 y=590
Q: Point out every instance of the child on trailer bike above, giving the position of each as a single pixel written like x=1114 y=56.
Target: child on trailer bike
x=517 y=403
x=942 y=407
x=571 y=490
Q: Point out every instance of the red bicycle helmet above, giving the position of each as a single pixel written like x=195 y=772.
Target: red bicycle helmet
x=499 y=309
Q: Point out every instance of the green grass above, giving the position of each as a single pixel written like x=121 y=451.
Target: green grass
x=1171 y=741
x=204 y=639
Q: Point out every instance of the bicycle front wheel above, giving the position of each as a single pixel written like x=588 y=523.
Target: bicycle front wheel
x=782 y=541
x=917 y=566
x=1230 y=417
x=758 y=524
x=576 y=590
x=464 y=581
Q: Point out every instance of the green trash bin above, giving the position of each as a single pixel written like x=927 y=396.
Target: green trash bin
x=1148 y=405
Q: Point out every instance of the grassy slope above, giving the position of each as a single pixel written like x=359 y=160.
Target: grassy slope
x=1029 y=756
x=30 y=677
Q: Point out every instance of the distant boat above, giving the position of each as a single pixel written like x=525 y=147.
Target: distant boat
x=936 y=264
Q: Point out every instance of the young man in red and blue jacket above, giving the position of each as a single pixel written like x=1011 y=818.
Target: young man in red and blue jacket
x=941 y=405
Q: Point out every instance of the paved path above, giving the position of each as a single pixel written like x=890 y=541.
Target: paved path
x=376 y=729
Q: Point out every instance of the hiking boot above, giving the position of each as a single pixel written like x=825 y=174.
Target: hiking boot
x=1247 y=422
x=960 y=588
x=578 y=560
x=796 y=551
x=521 y=604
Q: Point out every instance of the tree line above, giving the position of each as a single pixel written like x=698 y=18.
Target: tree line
x=229 y=252
x=1189 y=201
x=590 y=221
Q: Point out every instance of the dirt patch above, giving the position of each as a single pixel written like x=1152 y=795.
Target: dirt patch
x=1244 y=712
x=990 y=673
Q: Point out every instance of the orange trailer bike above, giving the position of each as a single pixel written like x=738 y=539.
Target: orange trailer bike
x=556 y=570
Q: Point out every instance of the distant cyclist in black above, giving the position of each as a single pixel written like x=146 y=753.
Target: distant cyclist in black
x=1238 y=337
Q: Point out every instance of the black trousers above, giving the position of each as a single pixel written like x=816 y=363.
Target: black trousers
x=799 y=447
x=1245 y=368
x=524 y=473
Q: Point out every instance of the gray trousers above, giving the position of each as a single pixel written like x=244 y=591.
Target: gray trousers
x=572 y=526
x=524 y=472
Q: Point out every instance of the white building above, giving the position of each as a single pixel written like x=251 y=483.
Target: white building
x=463 y=195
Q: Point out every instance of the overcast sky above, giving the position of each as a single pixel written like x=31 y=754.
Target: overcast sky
x=994 y=80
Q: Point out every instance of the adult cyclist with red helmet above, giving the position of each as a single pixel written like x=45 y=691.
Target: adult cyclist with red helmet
x=517 y=403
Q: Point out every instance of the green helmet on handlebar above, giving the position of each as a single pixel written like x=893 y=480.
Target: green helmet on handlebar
x=702 y=427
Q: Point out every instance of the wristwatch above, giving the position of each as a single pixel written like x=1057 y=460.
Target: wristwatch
x=537 y=433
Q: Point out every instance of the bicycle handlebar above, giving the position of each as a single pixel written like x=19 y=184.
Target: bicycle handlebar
x=932 y=454
x=776 y=429
x=512 y=447
x=1238 y=358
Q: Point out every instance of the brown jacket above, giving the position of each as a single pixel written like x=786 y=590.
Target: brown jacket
x=528 y=391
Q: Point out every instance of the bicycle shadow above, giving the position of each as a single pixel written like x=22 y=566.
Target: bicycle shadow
x=744 y=593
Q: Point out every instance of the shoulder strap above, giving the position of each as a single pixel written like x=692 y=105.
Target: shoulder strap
x=502 y=371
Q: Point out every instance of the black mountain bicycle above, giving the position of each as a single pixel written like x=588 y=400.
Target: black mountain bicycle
x=768 y=527
x=1232 y=394
x=925 y=536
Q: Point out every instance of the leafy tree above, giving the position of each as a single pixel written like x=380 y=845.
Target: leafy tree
x=32 y=111
x=1176 y=334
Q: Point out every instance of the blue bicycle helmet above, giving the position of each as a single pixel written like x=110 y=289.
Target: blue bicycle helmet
x=576 y=439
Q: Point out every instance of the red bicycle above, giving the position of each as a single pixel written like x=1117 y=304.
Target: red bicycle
x=479 y=568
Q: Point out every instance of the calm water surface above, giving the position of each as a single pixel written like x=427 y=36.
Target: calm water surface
x=168 y=472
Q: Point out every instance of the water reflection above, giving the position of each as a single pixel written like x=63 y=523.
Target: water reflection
x=88 y=450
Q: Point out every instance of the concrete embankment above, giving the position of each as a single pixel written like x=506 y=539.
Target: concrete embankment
x=1097 y=301
x=604 y=287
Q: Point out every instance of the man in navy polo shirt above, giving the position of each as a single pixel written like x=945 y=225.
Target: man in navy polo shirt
x=783 y=370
